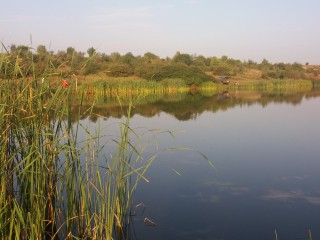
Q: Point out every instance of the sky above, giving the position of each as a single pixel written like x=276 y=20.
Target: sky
x=277 y=30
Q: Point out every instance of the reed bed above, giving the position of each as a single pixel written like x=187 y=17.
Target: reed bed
x=130 y=88
x=286 y=83
x=56 y=184
x=101 y=100
x=52 y=185
x=208 y=88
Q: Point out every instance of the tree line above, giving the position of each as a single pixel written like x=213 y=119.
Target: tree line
x=23 y=61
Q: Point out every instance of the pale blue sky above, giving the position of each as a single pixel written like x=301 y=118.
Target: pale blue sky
x=278 y=30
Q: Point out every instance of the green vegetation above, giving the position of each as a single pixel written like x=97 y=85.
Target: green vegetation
x=190 y=74
x=102 y=73
x=52 y=183
x=127 y=87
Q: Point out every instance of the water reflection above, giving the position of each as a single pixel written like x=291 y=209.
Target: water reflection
x=265 y=147
x=185 y=106
x=296 y=194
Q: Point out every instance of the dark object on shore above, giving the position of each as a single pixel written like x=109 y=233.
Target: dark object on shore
x=224 y=80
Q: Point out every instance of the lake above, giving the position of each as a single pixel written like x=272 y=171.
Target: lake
x=265 y=147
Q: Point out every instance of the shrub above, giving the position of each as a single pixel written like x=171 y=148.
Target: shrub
x=146 y=70
x=120 y=70
x=182 y=58
x=190 y=74
x=223 y=70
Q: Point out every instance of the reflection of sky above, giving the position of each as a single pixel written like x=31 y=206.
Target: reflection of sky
x=278 y=195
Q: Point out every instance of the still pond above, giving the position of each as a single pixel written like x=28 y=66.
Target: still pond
x=265 y=148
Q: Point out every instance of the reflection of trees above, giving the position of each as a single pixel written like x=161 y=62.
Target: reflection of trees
x=189 y=106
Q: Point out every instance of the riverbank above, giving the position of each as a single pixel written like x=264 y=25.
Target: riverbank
x=137 y=86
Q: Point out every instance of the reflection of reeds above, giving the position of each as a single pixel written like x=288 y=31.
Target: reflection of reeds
x=309 y=234
x=276 y=234
x=208 y=88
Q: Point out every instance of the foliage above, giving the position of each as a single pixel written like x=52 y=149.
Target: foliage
x=146 y=69
x=24 y=61
x=282 y=71
x=190 y=74
x=120 y=70
x=91 y=51
x=221 y=70
x=173 y=82
x=128 y=59
x=93 y=64
x=53 y=185
x=182 y=58
x=150 y=57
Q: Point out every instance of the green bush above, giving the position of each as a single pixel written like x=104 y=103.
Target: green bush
x=146 y=70
x=222 y=70
x=120 y=70
x=280 y=74
x=190 y=74
x=182 y=58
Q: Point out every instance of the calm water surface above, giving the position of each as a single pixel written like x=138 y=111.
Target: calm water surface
x=266 y=155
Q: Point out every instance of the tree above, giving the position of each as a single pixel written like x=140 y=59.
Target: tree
x=91 y=51
x=182 y=58
x=200 y=61
x=13 y=48
x=62 y=55
x=128 y=58
x=41 y=49
x=70 y=52
x=224 y=58
x=115 y=56
x=265 y=62
x=42 y=52
x=222 y=70
x=23 y=51
x=214 y=61
x=120 y=70
x=106 y=58
x=150 y=57
x=280 y=66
